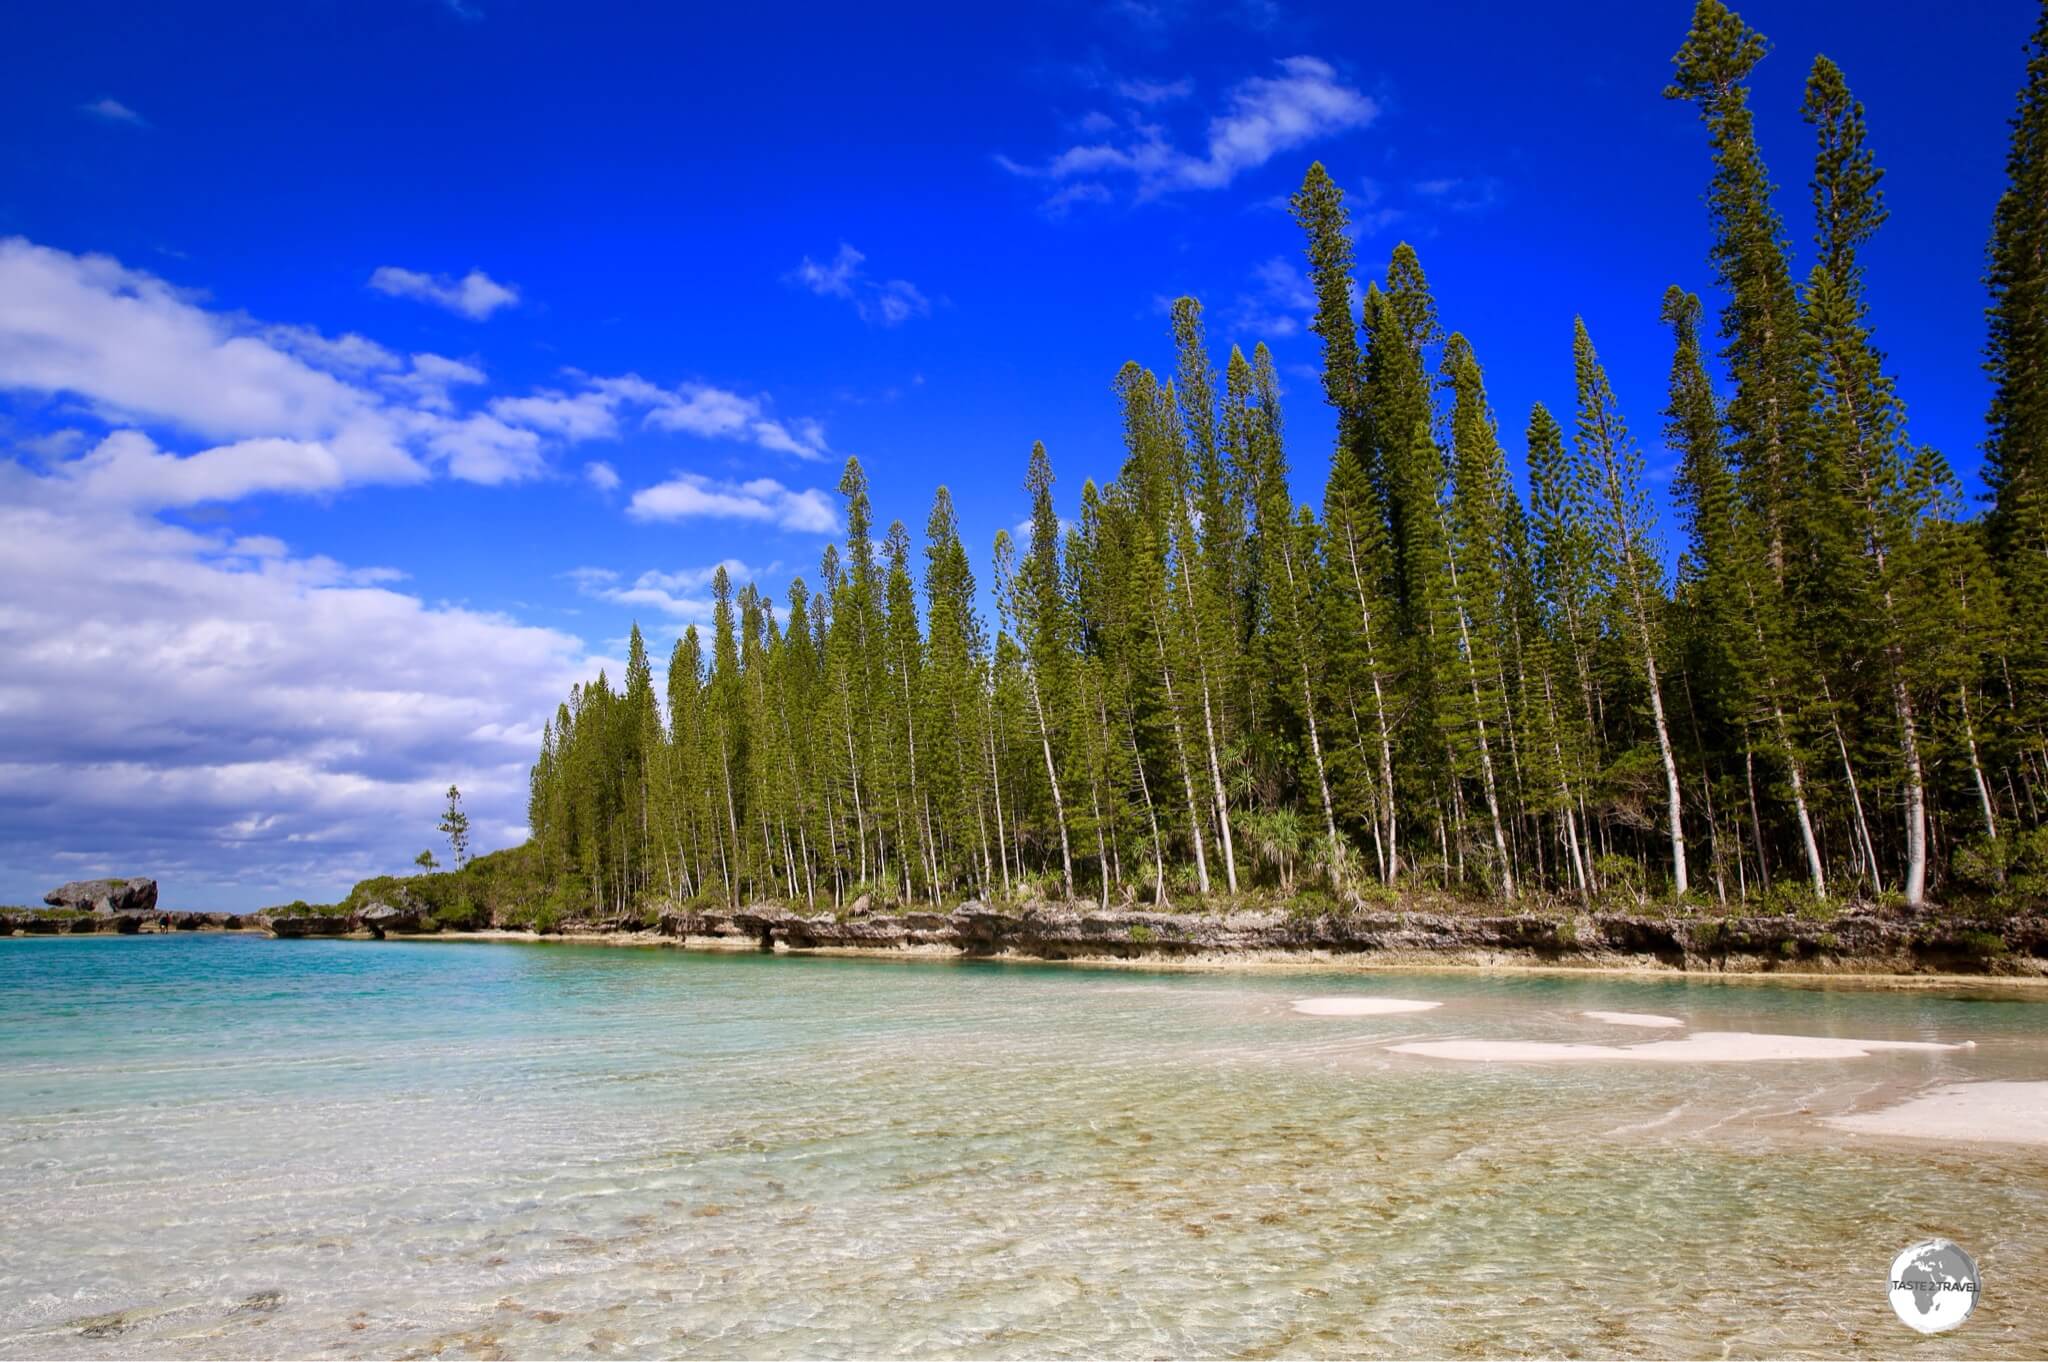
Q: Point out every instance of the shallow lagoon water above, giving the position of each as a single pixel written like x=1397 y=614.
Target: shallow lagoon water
x=228 y=1146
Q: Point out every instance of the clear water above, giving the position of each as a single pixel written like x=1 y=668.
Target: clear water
x=233 y=1147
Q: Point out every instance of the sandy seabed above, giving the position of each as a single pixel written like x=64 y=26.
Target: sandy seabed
x=2007 y=1112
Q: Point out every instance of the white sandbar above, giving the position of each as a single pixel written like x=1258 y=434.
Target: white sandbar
x=2005 y=1112
x=1359 y=1007
x=1632 y=1019
x=1703 y=1047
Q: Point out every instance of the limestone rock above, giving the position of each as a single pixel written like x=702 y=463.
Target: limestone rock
x=105 y=896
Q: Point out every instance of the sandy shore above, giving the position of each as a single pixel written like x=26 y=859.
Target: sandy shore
x=2000 y=1111
x=1360 y=1007
x=1702 y=1047
x=1320 y=962
x=1643 y=1019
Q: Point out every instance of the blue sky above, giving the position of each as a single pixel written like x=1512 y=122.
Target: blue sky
x=366 y=368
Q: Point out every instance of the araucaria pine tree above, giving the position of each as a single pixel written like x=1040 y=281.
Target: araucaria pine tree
x=1193 y=688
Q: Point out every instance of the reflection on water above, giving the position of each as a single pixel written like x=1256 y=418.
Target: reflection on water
x=235 y=1147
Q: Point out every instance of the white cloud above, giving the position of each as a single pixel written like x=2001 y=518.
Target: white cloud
x=1373 y=214
x=431 y=378
x=886 y=302
x=129 y=469
x=53 y=445
x=249 y=725
x=475 y=295
x=715 y=413
x=481 y=448
x=832 y=280
x=700 y=409
x=1460 y=194
x=691 y=496
x=601 y=475
x=683 y=595
x=1155 y=91
x=584 y=416
x=1262 y=117
x=113 y=111
x=328 y=412
x=348 y=353
x=135 y=348
x=1277 y=303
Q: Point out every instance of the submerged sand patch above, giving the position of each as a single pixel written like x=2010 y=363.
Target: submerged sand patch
x=1359 y=1007
x=2006 y=1112
x=1703 y=1047
x=1633 y=1019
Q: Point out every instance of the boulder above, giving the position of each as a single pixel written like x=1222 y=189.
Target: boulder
x=382 y=919
x=105 y=896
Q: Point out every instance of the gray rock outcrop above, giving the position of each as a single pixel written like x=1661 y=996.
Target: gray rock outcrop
x=136 y=895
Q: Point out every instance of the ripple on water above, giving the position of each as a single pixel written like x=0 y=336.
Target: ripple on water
x=518 y=1151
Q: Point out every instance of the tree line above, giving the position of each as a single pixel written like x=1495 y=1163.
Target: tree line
x=1202 y=688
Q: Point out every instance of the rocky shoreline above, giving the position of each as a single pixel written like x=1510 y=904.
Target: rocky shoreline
x=1861 y=939
x=1858 y=940
x=31 y=922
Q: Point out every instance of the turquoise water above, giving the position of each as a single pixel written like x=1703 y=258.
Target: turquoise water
x=233 y=1147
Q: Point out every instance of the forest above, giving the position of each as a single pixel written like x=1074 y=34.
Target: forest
x=1201 y=691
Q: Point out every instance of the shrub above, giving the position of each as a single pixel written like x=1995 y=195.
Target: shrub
x=1982 y=945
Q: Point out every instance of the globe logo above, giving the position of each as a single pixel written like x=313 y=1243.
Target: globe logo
x=1933 y=1286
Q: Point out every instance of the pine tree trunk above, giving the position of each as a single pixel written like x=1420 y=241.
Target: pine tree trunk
x=1869 y=848
x=1151 y=816
x=1500 y=841
x=1916 y=793
x=1564 y=785
x=1052 y=776
x=1180 y=746
x=1308 y=702
x=1670 y=764
x=1209 y=731
x=1976 y=767
x=1390 y=865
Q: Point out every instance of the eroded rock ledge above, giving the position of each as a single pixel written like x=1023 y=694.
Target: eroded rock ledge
x=124 y=923
x=1859 y=939
x=1855 y=939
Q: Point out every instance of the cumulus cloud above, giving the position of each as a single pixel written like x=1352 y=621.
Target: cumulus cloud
x=475 y=295
x=249 y=724
x=134 y=348
x=128 y=468
x=601 y=475
x=113 y=111
x=885 y=302
x=278 y=408
x=597 y=410
x=683 y=595
x=430 y=379
x=691 y=496
x=1262 y=117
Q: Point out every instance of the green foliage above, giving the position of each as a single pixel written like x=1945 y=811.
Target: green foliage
x=1792 y=898
x=1983 y=945
x=2011 y=870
